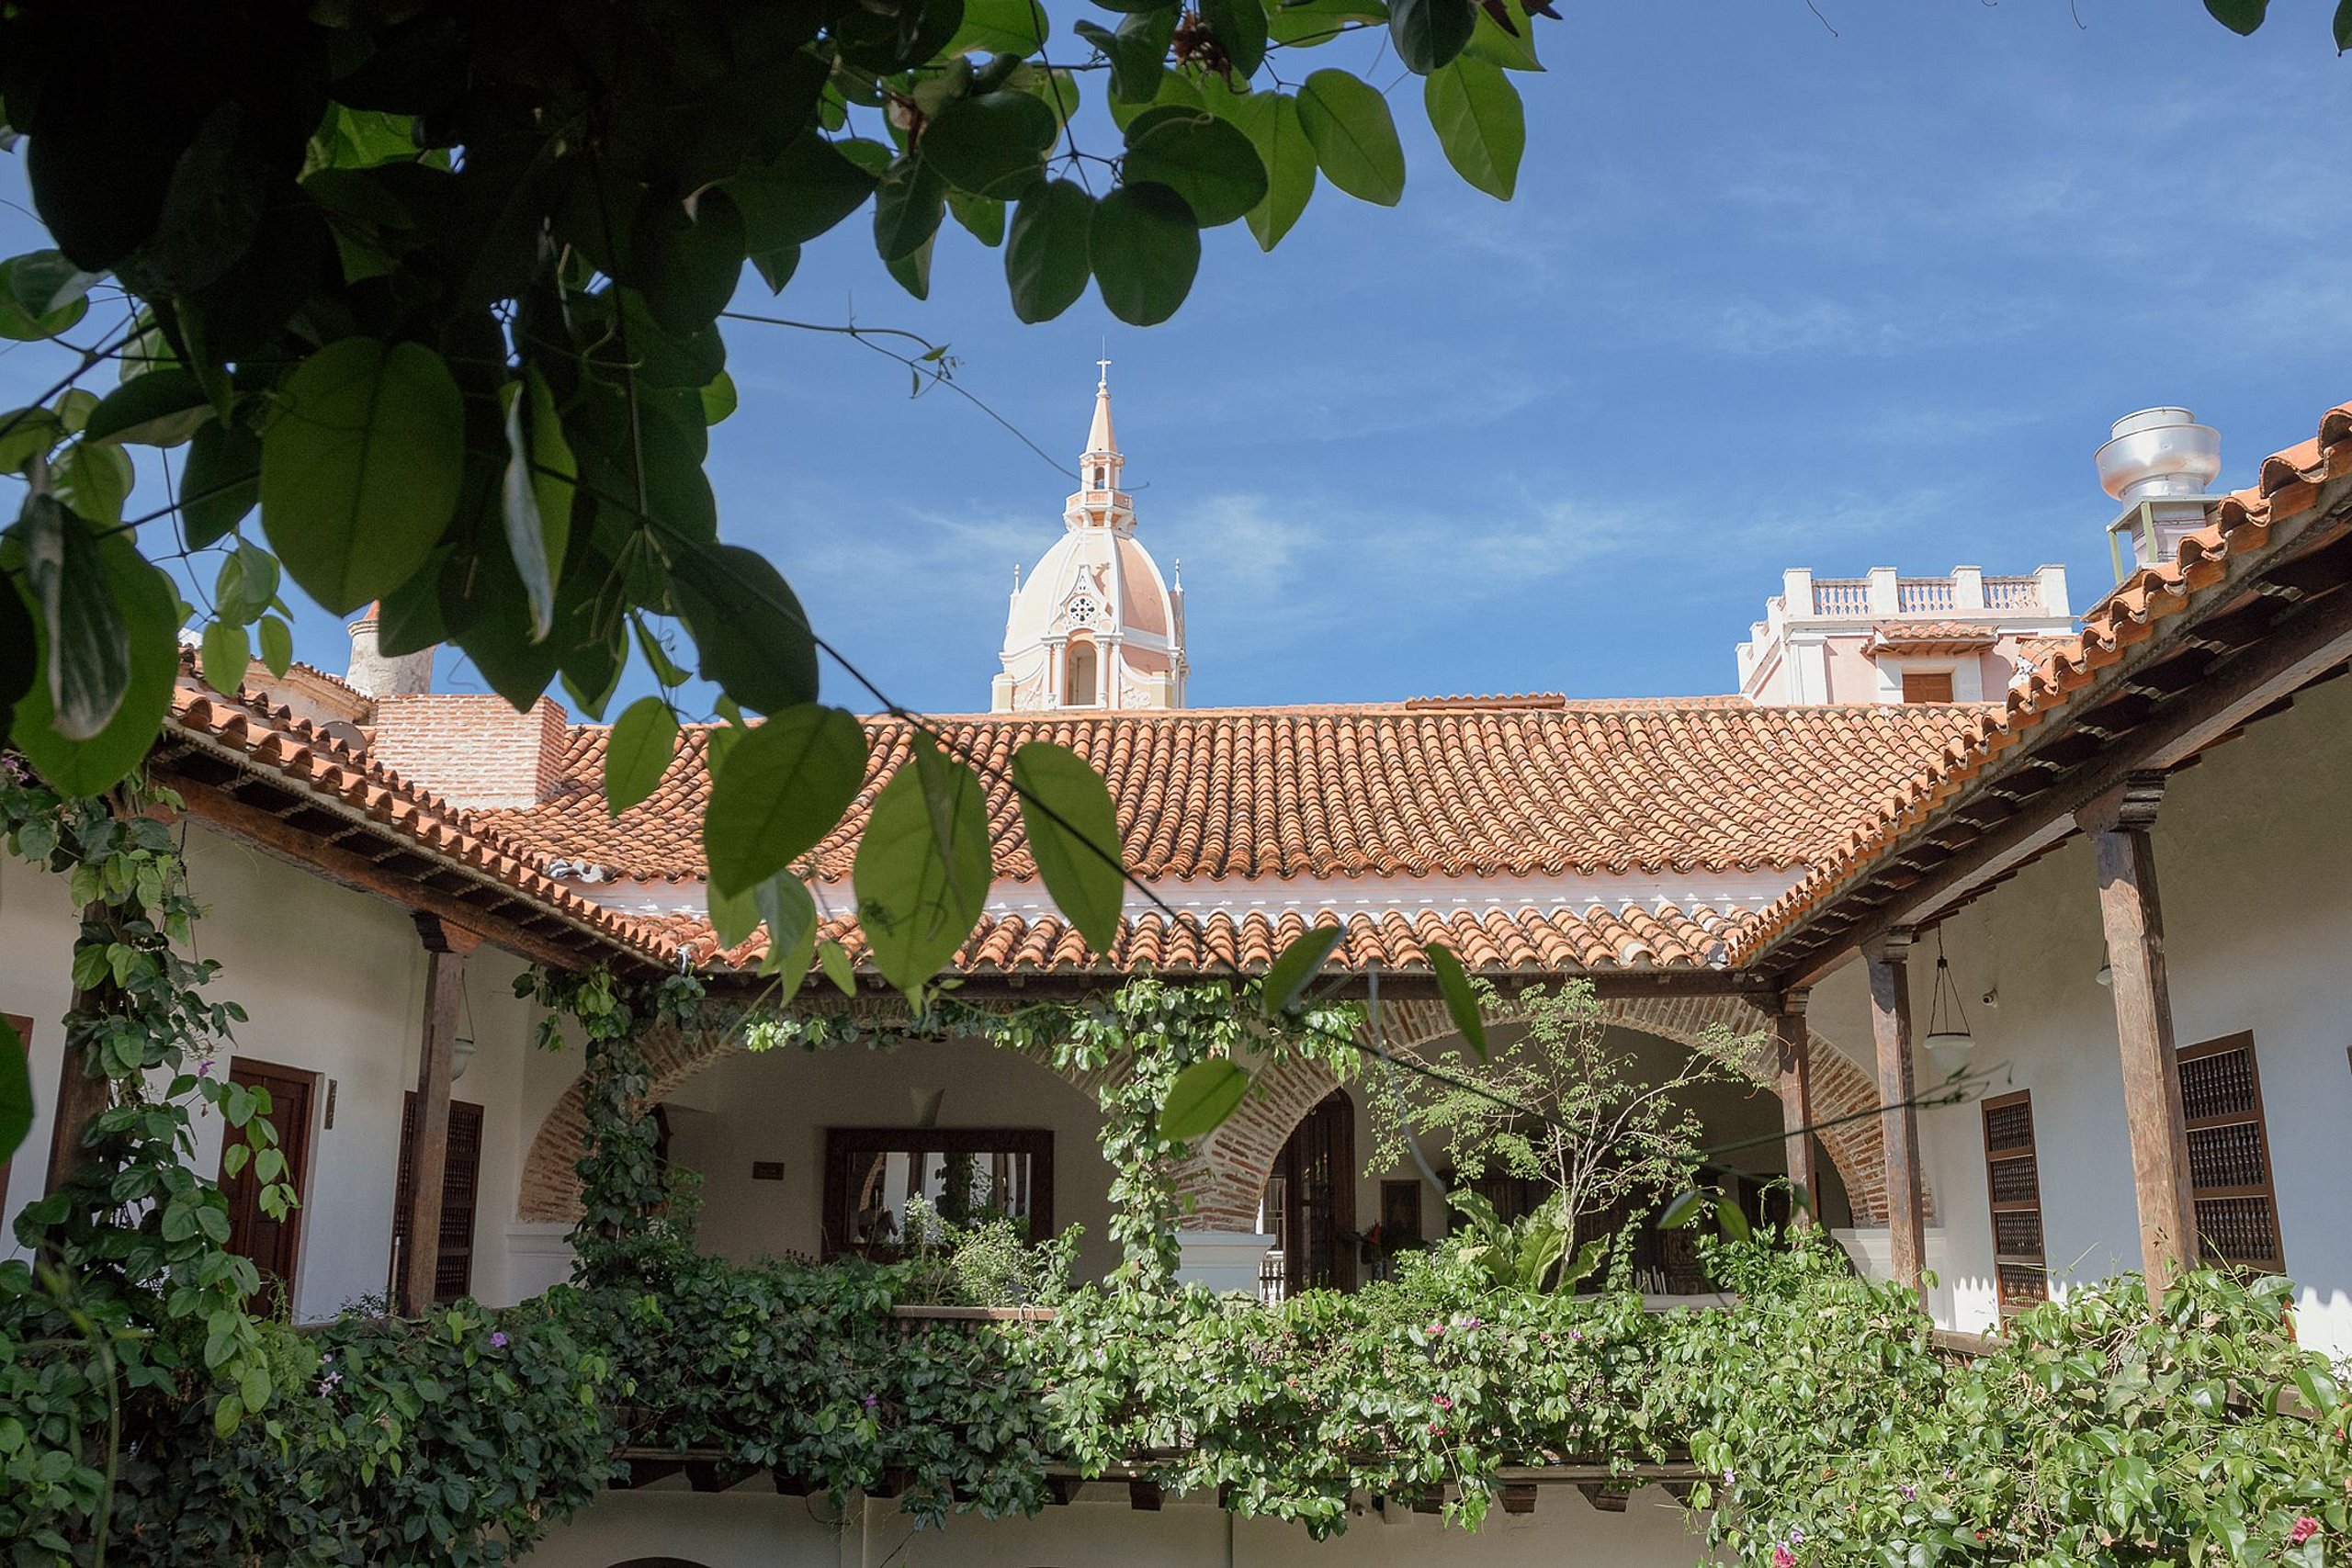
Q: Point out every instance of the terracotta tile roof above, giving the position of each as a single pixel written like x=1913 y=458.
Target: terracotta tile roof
x=2241 y=524
x=1488 y=790
x=292 y=752
x=1624 y=937
x=1930 y=636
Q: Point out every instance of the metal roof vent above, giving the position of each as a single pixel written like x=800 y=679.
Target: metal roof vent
x=2157 y=462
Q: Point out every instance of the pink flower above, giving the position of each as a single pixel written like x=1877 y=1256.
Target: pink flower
x=1783 y=1558
x=2304 y=1528
x=1443 y=1403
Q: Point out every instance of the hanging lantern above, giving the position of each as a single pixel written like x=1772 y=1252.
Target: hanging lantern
x=1949 y=1043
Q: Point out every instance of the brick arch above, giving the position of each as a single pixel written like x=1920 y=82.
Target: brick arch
x=1229 y=1171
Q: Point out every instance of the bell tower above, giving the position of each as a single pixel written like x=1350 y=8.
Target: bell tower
x=1093 y=627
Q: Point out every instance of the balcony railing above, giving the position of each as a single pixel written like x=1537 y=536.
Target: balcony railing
x=2013 y=593
x=1922 y=596
x=1841 y=596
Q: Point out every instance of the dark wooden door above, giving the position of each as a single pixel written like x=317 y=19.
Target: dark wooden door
x=1318 y=1171
x=275 y=1245
x=453 y=1275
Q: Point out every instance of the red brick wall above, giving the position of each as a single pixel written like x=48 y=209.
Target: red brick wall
x=472 y=751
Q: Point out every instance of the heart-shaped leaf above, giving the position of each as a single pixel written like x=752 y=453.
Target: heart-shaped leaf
x=643 y=743
x=1045 y=254
x=1203 y=1097
x=1294 y=968
x=1145 y=249
x=922 y=871
x=782 y=788
x=1354 y=137
x=1073 y=833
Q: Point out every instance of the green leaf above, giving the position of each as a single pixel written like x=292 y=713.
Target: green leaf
x=1240 y=29
x=640 y=750
x=733 y=917
x=536 y=497
x=2241 y=17
x=1137 y=54
x=908 y=206
x=783 y=787
x=228 y=651
x=1203 y=1098
x=220 y=483
x=94 y=481
x=1294 y=968
x=834 y=959
x=1202 y=158
x=1480 y=122
x=791 y=917
x=1685 y=1210
x=26 y=433
x=749 y=629
x=16 y=1089
x=1733 y=1221
x=161 y=408
x=276 y=646
x=1073 y=833
x=2343 y=26
x=913 y=274
x=1001 y=27
x=980 y=217
x=1353 y=136
x=360 y=468
x=149 y=610
x=35 y=298
x=718 y=400
x=87 y=668
x=1460 y=999
x=921 y=872
x=1169 y=90
x=1316 y=22
x=686 y=263
x=1143 y=248
x=1428 y=34
x=991 y=143
x=810 y=187
x=1512 y=47
x=1045 y=256
x=1271 y=122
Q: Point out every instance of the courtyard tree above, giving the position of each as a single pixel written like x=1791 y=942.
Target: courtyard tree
x=1562 y=1106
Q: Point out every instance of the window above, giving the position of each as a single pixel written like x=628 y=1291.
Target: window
x=2021 y=1266
x=461 y=1179
x=966 y=1174
x=1927 y=686
x=1078 y=691
x=2229 y=1155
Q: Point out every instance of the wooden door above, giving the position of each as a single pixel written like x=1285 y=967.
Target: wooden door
x=453 y=1274
x=275 y=1245
x=1318 y=1171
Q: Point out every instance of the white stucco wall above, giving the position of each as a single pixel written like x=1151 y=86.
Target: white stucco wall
x=744 y=1530
x=2256 y=872
x=333 y=982
x=775 y=1105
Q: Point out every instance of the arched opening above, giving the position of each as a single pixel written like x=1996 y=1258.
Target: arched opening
x=1309 y=1204
x=1078 y=689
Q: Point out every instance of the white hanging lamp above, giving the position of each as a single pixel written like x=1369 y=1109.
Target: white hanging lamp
x=1949 y=1043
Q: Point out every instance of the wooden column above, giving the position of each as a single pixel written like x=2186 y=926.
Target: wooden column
x=2135 y=957
x=80 y=1093
x=1890 y=967
x=1793 y=1054
x=445 y=947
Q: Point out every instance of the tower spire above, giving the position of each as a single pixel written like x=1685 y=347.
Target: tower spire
x=1102 y=440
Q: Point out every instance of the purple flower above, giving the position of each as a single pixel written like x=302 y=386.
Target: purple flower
x=1577 y=1336
x=327 y=1383
x=498 y=1339
x=871 y=1400
x=1910 y=1494
x=204 y=1068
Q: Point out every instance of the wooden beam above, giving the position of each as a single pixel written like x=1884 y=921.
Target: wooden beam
x=81 y=1094
x=445 y=948
x=251 y=824
x=2133 y=918
x=1794 y=1055
x=1890 y=967
x=2295 y=654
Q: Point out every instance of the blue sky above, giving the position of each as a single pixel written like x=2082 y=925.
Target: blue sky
x=1768 y=297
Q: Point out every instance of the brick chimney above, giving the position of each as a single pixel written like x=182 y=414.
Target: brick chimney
x=476 y=752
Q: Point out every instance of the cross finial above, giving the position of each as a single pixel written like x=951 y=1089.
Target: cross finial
x=1104 y=384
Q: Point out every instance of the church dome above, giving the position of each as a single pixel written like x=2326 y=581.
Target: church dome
x=1093 y=626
